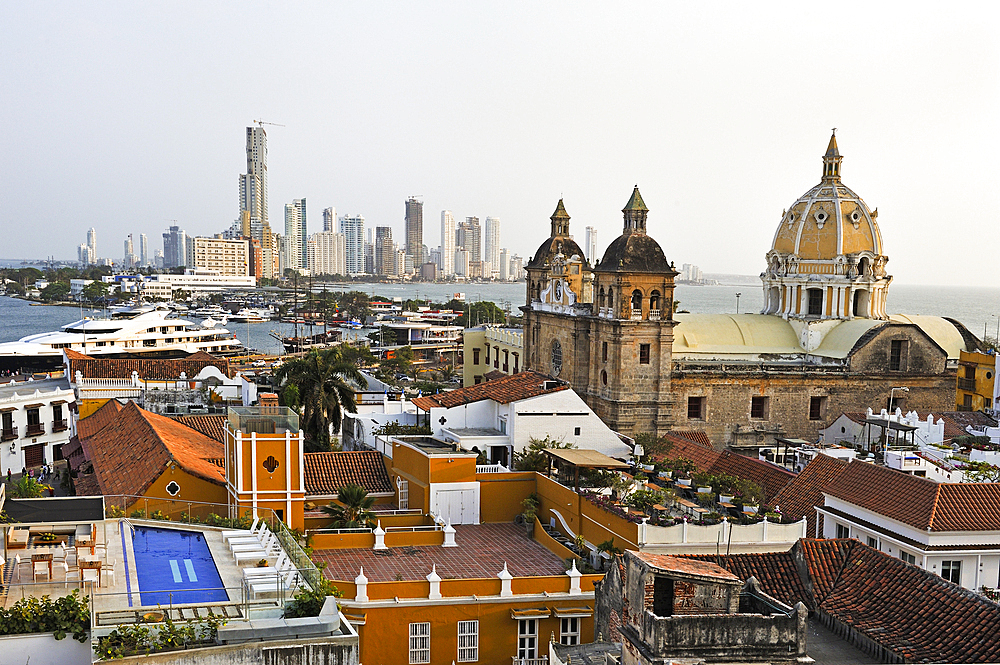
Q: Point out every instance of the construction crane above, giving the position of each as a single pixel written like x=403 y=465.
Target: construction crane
x=262 y=123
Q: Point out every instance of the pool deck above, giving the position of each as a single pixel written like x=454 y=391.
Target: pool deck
x=115 y=597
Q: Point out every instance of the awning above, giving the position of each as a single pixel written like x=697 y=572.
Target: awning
x=8 y=409
x=570 y=612
x=34 y=406
x=355 y=619
x=58 y=401
x=530 y=613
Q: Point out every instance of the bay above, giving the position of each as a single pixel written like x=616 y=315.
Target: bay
x=978 y=308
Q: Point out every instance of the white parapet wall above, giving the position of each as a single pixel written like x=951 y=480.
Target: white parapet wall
x=765 y=536
x=43 y=649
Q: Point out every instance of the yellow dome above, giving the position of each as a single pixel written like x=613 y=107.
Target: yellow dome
x=828 y=221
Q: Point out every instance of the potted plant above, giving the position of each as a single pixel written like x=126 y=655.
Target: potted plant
x=46 y=538
x=529 y=511
x=262 y=563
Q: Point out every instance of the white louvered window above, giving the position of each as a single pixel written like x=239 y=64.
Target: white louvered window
x=468 y=641
x=420 y=642
x=569 y=631
x=404 y=494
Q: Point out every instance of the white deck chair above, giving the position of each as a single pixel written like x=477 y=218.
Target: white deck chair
x=92 y=575
x=70 y=574
x=256 y=555
x=40 y=569
x=257 y=537
x=108 y=572
x=21 y=567
x=262 y=544
x=286 y=582
x=279 y=566
x=237 y=533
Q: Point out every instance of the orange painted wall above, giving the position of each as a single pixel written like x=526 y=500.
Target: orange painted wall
x=563 y=499
x=342 y=541
x=452 y=469
x=602 y=525
x=550 y=543
x=385 y=636
x=501 y=494
x=193 y=489
x=413 y=538
x=410 y=463
x=275 y=479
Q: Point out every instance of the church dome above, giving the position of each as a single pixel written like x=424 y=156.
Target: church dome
x=828 y=221
x=633 y=250
x=558 y=243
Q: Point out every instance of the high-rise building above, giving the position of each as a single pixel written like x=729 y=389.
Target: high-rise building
x=92 y=244
x=516 y=267
x=327 y=254
x=174 y=248
x=329 y=220
x=130 y=258
x=447 y=244
x=158 y=258
x=462 y=262
x=492 y=246
x=353 y=228
x=83 y=255
x=504 y=265
x=415 y=230
x=295 y=233
x=469 y=238
x=143 y=250
x=253 y=217
x=230 y=258
x=590 y=244
x=385 y=252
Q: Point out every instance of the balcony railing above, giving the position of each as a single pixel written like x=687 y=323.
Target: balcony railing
x=964 y=407
x=636 y=314
x=59 y=425
x=35 y=430
x=966 y=384
x=544 y=660
x=8 y=434
x=654 y=315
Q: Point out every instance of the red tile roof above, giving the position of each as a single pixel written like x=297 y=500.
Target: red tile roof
x=771 y=478
x=693 y=435
x=686 y=566
x=505 y=390
x=99 y=419
x=213 y=426
x=131 y=452
x=326 y=473
x=906 y=610
x=804 y=492
x=918 y=502
x=147 y=368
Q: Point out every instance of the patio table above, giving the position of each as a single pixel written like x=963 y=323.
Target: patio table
x=40 y=557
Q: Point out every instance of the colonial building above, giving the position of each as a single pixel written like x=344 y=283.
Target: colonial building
x=822 y=345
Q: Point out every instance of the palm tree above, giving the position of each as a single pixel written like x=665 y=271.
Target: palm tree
x=355 y=513
x=326 y=384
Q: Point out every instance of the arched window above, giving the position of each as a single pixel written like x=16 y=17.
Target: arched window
x=864 y=267
x=637 y=300
x=600 y=299
x=611 y=297
x=654 y=300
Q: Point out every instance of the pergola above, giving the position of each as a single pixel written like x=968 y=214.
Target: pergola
x=896 y=429
x=580 y=459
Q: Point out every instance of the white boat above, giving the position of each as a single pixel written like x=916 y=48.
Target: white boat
x=248 y=315
x=210 y=312
x=147 y=330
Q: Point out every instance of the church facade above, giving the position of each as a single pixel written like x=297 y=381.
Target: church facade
x=823 y=343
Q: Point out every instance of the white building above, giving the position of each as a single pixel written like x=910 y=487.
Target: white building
x=92 y=243
x=353 y=228
x=590 y=244
x=230 y=258
x=295 y=234
x=35 y=422
x=504 y=265
x=492 y=248
x=462 y=262
x=329 y=220
x=949 y=529
x=162 y=286
x=327 y=253
x=447 y=264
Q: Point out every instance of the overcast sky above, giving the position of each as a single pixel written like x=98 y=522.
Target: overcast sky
x=127 y=116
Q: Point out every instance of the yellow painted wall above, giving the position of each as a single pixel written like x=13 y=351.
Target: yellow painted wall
x=275 y=479
x=87 y=407
x=982 y=390
x=501 y=494
x=193 y=489
x=452 y=469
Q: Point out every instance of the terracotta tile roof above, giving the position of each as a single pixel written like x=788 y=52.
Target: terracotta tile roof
x=481 y=553
x=147 y=368
x=907 y=610
x=212 y=426
x=326 y=473
x=921 y=503
x=771 y=478
x=99 y=419
x=689 y=566
x=131 y=452
x=804 y=492
x=85 y=484
x=504 y=390
x=693 y=435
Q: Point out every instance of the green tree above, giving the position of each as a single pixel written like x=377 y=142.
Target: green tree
x=353 y=510
x=326 y=385
x=354 y=305
x=56 y=291
x=95 y=291
x=401 y=361
x=533 y=457
x=481 y=312
x=27 y=487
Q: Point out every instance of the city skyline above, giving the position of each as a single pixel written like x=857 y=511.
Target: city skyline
x=724 y=128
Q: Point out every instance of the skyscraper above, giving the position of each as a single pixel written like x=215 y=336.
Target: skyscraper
x=492 y=245
x=174 y=248
x=296 y=234
x=353 y=228
x=385 y=252
x=329 y=220
x=590 y=244
x=143 y=250
x=92 y=244
x=469 y=238
x=447 y=244
x=253 y=198
x=504 y=264
x=415 y=230
x=327 y=253
x=130 y=258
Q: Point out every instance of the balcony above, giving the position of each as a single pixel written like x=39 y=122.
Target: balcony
x=35 y=430
x=967 y=384
x=544 y=660
x=654 y=315
x=8 y=434
x=636 y=315
x=59 y=425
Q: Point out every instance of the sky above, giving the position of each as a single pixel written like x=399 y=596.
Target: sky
x=130 y=117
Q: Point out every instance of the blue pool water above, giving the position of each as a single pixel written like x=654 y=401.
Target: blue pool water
x=175 y=566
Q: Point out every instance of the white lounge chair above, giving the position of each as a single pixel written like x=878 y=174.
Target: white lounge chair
x=92 y=575
x=243 y=546
x=286 y=582
x=20 y=566
x=280 y=566
x=236 y=533
x=256 y=538
x=273 y=550
x=40 y=569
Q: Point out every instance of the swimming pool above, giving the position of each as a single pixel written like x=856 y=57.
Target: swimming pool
x=175 y=566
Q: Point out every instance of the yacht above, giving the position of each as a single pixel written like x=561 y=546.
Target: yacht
x=248 y=315
x=148 y=330
x=210 y=312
